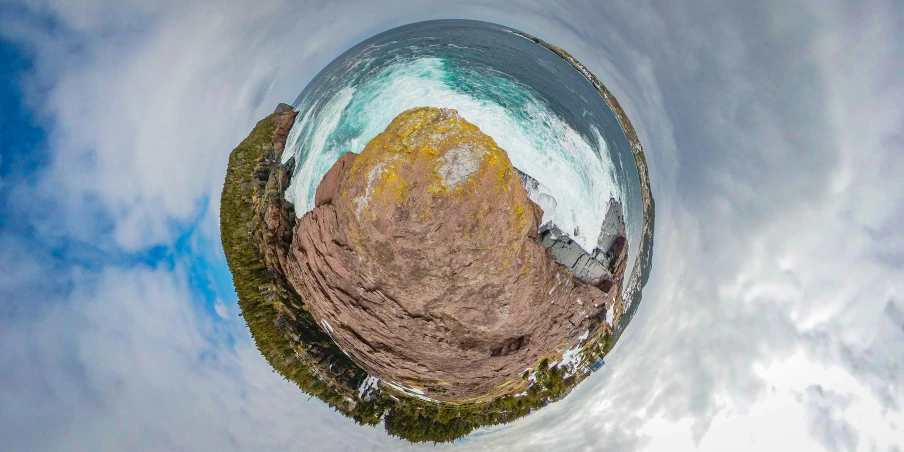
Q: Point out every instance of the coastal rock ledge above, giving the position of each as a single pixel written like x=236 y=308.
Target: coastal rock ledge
x=422 y=261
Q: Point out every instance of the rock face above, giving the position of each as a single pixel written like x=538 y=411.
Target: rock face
x=422 y=260
x=273 y=179
x=601 y=267
x=597 y=268
x=257 y=225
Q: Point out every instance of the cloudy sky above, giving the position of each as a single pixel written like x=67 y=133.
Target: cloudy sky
x=774 y=318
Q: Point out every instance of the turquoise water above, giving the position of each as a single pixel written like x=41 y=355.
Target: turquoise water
x=554 y=125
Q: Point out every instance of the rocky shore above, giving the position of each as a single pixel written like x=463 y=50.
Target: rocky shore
x=641 y=272
x=598 y=267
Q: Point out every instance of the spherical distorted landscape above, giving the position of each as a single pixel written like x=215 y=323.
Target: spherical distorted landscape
x=450 y=228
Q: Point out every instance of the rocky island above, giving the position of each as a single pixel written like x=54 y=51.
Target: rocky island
x=422 y=284
x=425 y=283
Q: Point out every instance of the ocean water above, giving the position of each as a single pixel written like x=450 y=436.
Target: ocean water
x=554 y=125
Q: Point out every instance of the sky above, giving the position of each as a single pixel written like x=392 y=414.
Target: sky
x=773 y=319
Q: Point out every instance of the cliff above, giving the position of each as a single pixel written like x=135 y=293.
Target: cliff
x=643 y=264
x=260 y=236
x=253 y=219
x=255 y=227
x=422 y=261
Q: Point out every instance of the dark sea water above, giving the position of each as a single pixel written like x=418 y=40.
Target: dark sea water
x=553 y=123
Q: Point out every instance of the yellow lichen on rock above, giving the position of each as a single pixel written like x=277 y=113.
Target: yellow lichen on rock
x=434 y=152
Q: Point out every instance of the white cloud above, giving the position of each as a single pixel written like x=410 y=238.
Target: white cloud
x=128 y=362
x=773 y=319
x=220 y=308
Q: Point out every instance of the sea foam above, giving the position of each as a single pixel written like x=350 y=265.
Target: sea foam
x=579 y=176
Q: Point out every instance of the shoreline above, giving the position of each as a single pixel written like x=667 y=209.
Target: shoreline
x=641 y=271
x=256 y=227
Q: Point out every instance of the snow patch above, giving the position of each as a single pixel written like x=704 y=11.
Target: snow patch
x=369 y=383
x=572 y=357
x=413 y=392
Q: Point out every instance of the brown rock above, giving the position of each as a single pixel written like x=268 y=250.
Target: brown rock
x=422 y=261
x=329 y=186
x=282 y=108
x=277 y=216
